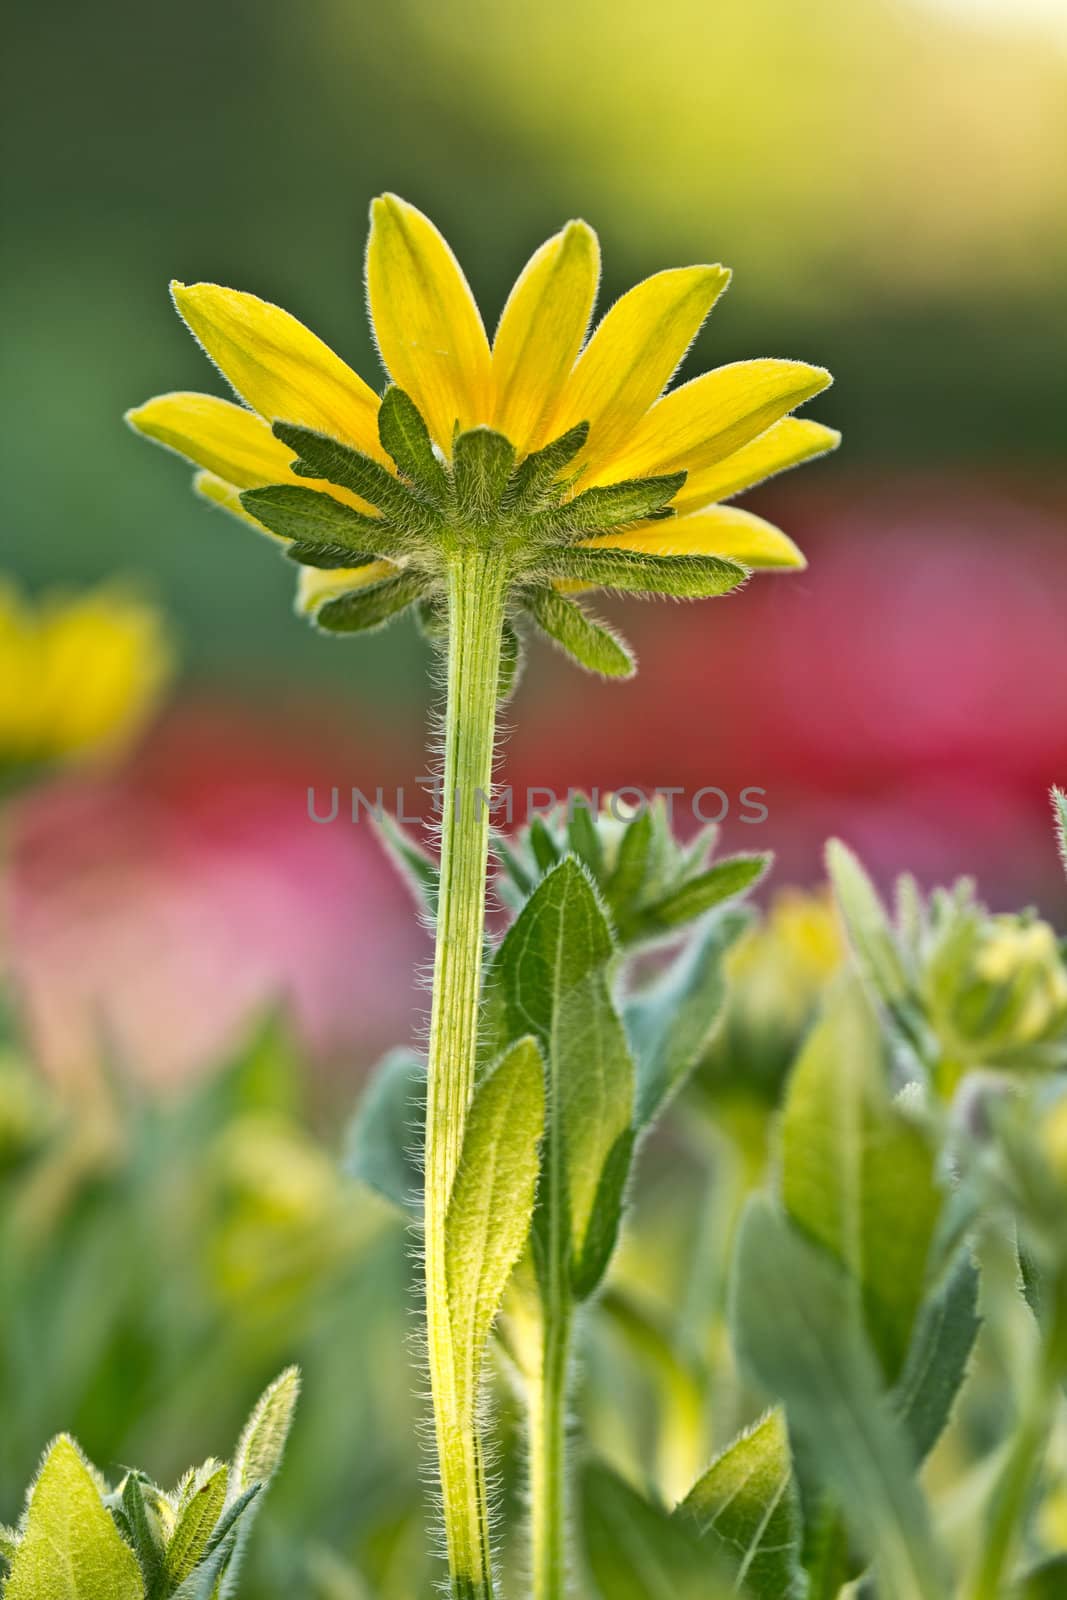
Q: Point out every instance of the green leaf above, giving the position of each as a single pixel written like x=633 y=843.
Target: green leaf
x=383 y=1147
x=628 y=875
x=857 y=1174
x=415 y=865
x=796 y=1332
x=938 y=1358
x=582 y=834
x=70 y=1547
x=261 y=1445
x=510 y=862
x=670 y=1022
x=491 y=1204
x=145 y=1531
x=727 y=878
x=598 y=1246
x=591 y=644
x=746 y=1505
x=365 y=610
x=534 y=483
x=1059 y=808
x=319 y=456
x=611 y=505
x=637 y=1551
x=406 y=438
x=867 y=924
x=196 y=1522
x=1045 y=1582
x=542 y=845
x=312 y=517
x=549 y=978
x=635 y=572
x=481 y=466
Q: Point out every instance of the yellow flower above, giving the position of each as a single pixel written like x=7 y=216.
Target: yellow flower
x=78 y=676
x=562 y=448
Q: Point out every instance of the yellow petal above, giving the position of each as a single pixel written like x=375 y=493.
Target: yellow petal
x=719 y=531
x=221 y=437
x=715 y=414
x=280 y=367
x=316 y=585
x=787 y=444
x=541 y=332
x=428 y=327
x=226 y=440
x=633 y=354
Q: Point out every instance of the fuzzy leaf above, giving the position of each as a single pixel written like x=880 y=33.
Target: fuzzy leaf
x=195 y=1524
x=732 y=876
x=746 y=1506
x=796 y=1332
x=406 y=438
x=628 y=875
x=145 y=1532
x=858 y=1176
x=937 y=1361
x=549 y=978
x=671 y=1021
x=365 y=610
x=383 y=1147
x=492 y=1201
x=637 y=1551
x=582 y=835
x=319 y=456
x=605 y=1220
x=611 y=505
x=534 y=483
x=589 y=643
x=325 y=557
x=867 y=924
x=481 y=466
x=260 y=1448
x=70 y=1548
x=310 y=517
x=9 y=1541
x=635 y=572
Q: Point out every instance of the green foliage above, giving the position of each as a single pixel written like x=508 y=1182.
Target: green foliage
x=383 y=1147
x=614 y=505
x=77 y=1541
x=746 y=1505
x=637 y=1551
x=635 y=572
x=405 y=436
x=492 y=1201
x=314 y=519
x=364 y=610
x=591 y=644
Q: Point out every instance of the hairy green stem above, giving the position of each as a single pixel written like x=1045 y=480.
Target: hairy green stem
x=548 y=1394
x=477 y=582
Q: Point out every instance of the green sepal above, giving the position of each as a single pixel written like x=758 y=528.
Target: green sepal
x=613 y=505
x=327 y=557
x=319 y=456
x=482 y=461
x=535 y=482
x=636 y=572
x=492 y=1200
x=732 y=876
x=385 y=1139
x=671 y=1022
x=406 y=438
x=512 y=660
x=312 y=517
x=589 y=643
x=601 y=1236
x=364 y=610
x=746 y=1506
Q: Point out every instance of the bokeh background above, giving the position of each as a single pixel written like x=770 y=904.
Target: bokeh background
x=886 y=178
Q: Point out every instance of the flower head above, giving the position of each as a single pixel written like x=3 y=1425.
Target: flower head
x=561 y=451
x=78 y=677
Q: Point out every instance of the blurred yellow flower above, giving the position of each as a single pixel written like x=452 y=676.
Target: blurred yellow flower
x=540 y=382
x=78 y=676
